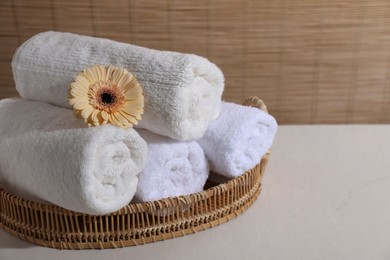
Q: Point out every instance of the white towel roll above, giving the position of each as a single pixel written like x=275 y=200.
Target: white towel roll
x=46 y=154
x=173 y=168
x=182 y=91
x=238 y=139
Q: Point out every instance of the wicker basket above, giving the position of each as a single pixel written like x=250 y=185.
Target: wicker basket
x=135 y=224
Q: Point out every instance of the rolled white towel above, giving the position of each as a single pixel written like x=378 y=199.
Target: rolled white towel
x=173 y=168
x=46 y=154
x=238 y=139
x=182 y=91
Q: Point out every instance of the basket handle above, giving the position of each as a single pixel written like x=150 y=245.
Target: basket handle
x=254 y=101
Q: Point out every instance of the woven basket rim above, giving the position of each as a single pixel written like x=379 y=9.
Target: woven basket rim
x=16 y=218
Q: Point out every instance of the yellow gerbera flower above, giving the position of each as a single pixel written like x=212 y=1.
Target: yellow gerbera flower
x=102 y=95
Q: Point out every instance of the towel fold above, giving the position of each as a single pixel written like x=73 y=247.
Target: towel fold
x=182 y=91
x=46 y=154
x=238 y=139
x=173 y=168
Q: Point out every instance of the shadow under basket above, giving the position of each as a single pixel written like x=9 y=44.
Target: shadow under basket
x=136 y=224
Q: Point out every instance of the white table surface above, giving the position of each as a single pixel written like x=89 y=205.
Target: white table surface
x=326 y=195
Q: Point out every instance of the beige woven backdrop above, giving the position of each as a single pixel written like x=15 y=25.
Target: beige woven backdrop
x=312 y=61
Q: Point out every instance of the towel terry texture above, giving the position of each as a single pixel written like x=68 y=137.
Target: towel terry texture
x=238 y=139
x=173 y=168
x=182 y=91
x=46 y=154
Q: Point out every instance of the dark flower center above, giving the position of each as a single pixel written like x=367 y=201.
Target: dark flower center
x=107 y=98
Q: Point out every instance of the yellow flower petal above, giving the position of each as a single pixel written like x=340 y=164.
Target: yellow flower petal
x=80 y=105
x=82 y=80
x=117 y=75
x=125 y=80
x=94 y=117
x=129 y=118
x=77 y=92
x=133 y=93
x=102 y=120
x=114 y=120
x=120 y=118
x=86 y=112
x=133 y=111
x=72 y=101
x=103 y=73
x=91 y=75
x=97 y=72
x=110 y=71
x=104 y=115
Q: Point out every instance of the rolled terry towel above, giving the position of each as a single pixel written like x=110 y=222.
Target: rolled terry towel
x=238 y=139
x=182 y=91
x=48 y=155
x=173 y=168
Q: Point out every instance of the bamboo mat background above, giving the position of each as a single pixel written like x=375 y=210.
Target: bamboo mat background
x=311 y=61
